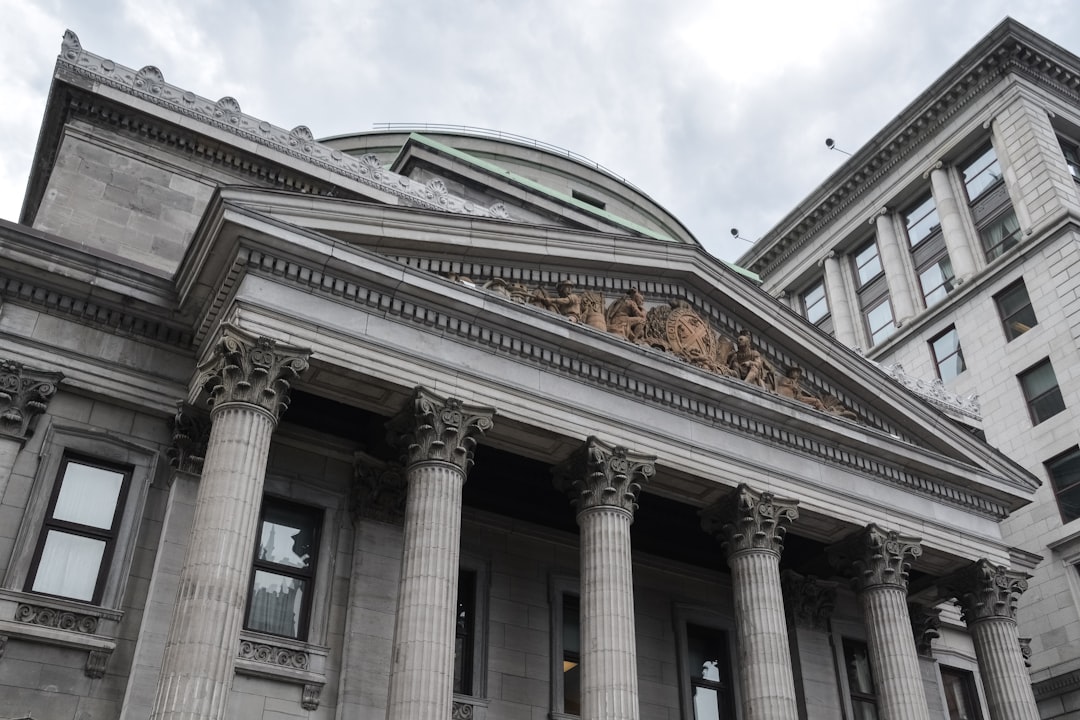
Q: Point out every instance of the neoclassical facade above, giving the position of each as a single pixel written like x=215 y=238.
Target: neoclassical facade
x=946 y=249
x=428 y=425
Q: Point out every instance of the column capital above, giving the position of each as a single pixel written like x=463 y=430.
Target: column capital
x=986 y=591
x=379 y=490
x=258 y=371
x=875 y=557
x=599 y=474
x=190 y=428
x=24 y=395
x=883 y=211
x=939 y=165
x=431 y=428
x=925 y=623
x=810 y=600
x=750 y=520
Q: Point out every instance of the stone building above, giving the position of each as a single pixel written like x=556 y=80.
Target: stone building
x=946 y=248
x=247 y=374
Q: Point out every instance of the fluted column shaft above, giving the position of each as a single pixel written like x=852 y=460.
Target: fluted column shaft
x=437 y=436
x=422 y=679
x=765 y=675
x=893 y=658
x=750 y=525
x=987 y=595
x=1001 y=665
x=609 y=688
x=896 y=275
x=839 y=306
x=952 y=224
x=877 y=561
x=197 y=669
x=248 y=380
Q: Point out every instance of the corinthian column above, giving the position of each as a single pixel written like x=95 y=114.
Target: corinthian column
x=437 y=436
x=603 y=482
x=248 y=381
x=750 y=526
x=987 y=595
x=877 y=560
x=24 y=395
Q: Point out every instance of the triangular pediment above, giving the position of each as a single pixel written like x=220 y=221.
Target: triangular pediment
x=649 y=307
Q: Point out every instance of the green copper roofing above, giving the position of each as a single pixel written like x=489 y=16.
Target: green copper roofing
x=562 y=197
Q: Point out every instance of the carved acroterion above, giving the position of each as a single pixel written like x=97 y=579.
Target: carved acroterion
x=252 y=370
x=433 y=428
x=875 y=557
x=24 y=396
x=190 y=428
x=600 y=474
x=750 y=520
x=985 y=591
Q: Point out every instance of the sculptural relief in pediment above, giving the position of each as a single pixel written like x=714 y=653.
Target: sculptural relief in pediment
x=670 y=325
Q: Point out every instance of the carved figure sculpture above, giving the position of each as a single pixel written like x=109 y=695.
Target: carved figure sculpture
x=791 y=386
x=751 y=366
x=626 y=316
x=519 y=293
x=592 y=309
x=567 y=303
x=498 y=286
x=833 y=405
x=678 y=329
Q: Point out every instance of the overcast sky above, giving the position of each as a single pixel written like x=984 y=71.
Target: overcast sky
x=716 y=108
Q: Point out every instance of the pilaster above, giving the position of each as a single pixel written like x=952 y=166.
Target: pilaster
x=877 y=561
x=987 y=595
x=750 y=526
x=247 y=380
x=437 y=437
x=603 y=482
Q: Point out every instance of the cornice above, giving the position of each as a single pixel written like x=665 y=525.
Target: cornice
x=149 y=85
x=1010 y=48
x=732 y=405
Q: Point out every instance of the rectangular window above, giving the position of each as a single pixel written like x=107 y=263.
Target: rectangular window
x=981 y=172
x=937 y=280
x=879 y=320
x=948 y=357
x=922 y=220
x=1014 y=307
x=571 y=654
x=1041 y=391
x=279 y=602
x=860 y=680
x=961 y=698
x=1064 y=472
x=79 y=532
x=815 y=305
x=465 y=633
x=867 y=263
x=1072 y=156
x=709 y=673
x=1000 y=234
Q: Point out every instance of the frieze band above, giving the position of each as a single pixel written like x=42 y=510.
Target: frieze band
x=52 y=617
x=273 y=655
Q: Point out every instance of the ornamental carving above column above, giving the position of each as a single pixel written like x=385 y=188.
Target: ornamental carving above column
x=875 y=557
x=190 y=428
x=600 y=474
x=809 y=599
x=925 y=627
x=750 y=520
x=253 y=370
x=379 y=490
x=431 y=428
x=24 y=396
x=985 y=591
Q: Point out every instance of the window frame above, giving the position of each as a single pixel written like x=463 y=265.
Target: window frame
x=940 y=360
x=874 y=340
x=857 y=267
x=685 y=615
x=1070 y=148
x=927 y=197
x=1008 y=242
x=109 y=536
x=850 y=695
x=970 y=689
x=1030 y=401
x=308 y=574
x=559 y=586
x=1072 y=454
x=57 y=442
x=987 y=147
x=1009 y=289
x=823 y=301
x=480 y=571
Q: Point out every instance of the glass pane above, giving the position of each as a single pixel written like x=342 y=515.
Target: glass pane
x=815 y=304
x=922 y=221
x=69 y=565
x=951 y=367
x=705 y=650
x=1065 y=471
x=88 y=495
x=1038 y=381
x=1069 y=504
x=288 y=536
x=959 y=689
x=571 y=626
x=706 y=704
x=982 y=173
x=857 y=659
x=937 y=281
x=864 y=710
x=571 y=655
x=868 y=264
x=275 y=604
x=881 y=323
x=946 y=345
x=1047 y=405
x=463 y=642
x=1001 y=235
